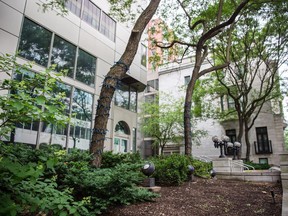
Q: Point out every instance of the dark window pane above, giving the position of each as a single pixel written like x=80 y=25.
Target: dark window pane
x=35 y=42
x=122 y=96
x=86 y=67
x=63 y=55
x=82 y=105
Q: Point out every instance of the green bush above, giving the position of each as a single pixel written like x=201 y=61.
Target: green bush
x=110 y=159
x=24 y=192
x=258 y=166
x=107 y=186
x=173 y=169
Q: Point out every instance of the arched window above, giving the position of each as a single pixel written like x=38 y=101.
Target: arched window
x=121 y=138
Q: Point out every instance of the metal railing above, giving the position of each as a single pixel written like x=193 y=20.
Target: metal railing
x=242 y=165
x=203 y=158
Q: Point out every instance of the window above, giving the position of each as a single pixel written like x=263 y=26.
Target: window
x=81 y=114
x=126 y=97
x=186 y=80
x=63 y=55
x=94 y=17
x=108 y=26
x=263 y=160
x=91 y=14
x=230 y=102
x=143 y=55
x=35 y=43
x=82 y=105
x=86 y=68
x=74 y=6
x=122 y=134
x=232 y=136
x=154 y=84
x=263 y=144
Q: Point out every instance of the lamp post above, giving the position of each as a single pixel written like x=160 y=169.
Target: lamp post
x=235 y=147
x=220 y=143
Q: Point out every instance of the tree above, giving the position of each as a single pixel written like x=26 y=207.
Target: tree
x=113 y=77
x=28 y=96
x=204 y=21
x=162 y=119
x=252 y=79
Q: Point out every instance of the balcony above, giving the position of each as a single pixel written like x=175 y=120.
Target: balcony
x=263 y=148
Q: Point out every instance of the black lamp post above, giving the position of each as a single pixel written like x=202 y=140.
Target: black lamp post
x=235 y=148
x=220 y=143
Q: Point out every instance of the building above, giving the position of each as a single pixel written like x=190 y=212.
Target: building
x=266 y=136
x=86 y=42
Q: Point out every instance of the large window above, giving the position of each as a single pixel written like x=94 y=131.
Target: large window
x=91 y=14
x=74 y=6
x=86 y=67
x=108 y=26
x=35 y=43
x=122 y=134
x=263 y=144
x=126 y=97
x=81 y=114
x=94 y=16
x=63 y=55
x=35 y=46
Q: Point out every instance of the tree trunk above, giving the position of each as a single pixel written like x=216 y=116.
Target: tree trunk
x=112 y=79
x=187 y=112
x=248 y=145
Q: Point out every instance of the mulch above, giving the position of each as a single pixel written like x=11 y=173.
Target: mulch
x=207 y=197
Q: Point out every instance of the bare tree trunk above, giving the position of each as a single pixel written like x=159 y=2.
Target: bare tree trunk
x=187 y=113
x=111 y=80
x=247 y=142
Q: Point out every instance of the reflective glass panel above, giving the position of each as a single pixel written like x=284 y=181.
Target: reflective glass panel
x=122 y=96
x=63 y=55
x=74 y=6
x=108 y=26
x=86 y=68
x=91 y=14
x=35 y=43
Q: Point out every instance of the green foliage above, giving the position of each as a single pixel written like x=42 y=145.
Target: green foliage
x=107 y=186
x=110 y=159
x=55 y=182
x=258 y=166
x=173 y=169
x=29 y=96
x=23 y=190
x=59 y=5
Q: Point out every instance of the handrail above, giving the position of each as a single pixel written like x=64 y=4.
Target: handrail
x=245 y=166
x=203 y=158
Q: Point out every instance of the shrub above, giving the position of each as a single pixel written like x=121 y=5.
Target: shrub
x=107 y=186
x=110 y=159
x=173 y=169
x=258 y=166
x=23 y=191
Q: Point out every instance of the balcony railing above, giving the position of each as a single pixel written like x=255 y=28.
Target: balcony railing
x=263 y=148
